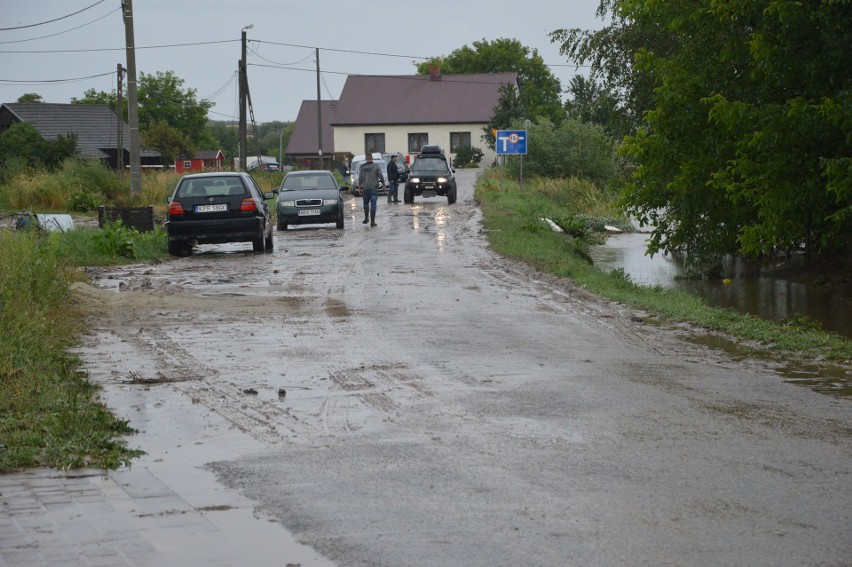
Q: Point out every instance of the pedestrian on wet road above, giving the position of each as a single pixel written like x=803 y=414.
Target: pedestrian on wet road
x=393 y=181
x=370 y=178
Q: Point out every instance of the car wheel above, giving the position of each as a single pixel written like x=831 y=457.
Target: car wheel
x=340 y=220
x=259 y=243
x=269 y=244
x=178 y=248
x=282 y=225
x=451 y=196
x=407 y=196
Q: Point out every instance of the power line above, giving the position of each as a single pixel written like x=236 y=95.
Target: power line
x=108 y=49
x=71 y=80
x=62 y=32
x=54 y=19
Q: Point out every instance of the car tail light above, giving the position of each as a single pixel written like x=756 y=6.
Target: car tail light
x=175 y=208
x=248 y=206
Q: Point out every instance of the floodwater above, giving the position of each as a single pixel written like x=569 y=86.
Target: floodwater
x=747 y=289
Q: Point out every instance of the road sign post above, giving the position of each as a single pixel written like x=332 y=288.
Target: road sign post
x=512 y=143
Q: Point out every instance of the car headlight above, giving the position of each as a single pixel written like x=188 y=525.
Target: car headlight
x=414 y=179
x=442 y=180
x=286 y=203
x=329 y=201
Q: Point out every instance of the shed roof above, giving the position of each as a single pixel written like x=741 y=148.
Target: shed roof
x=420 y=99
x=96 y=126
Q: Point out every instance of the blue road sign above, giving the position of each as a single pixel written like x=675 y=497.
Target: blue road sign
x=511 y=142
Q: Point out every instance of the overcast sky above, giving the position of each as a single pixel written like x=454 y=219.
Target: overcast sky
x=61 y=48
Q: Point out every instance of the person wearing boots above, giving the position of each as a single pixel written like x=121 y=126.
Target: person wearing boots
x=393 y=181
x=370 y=178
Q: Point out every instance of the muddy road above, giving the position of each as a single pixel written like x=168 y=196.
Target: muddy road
x=401 y=396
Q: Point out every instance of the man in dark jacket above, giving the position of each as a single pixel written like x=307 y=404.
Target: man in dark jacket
x=370 y=179
x=393 y=180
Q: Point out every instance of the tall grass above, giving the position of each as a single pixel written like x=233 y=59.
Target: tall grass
x=512 y=218
x=80 y=186
x=50 y=414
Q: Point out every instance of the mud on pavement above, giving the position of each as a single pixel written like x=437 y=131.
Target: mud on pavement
x=398 y=395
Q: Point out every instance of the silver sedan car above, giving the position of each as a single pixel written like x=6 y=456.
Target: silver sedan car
x=309 y=197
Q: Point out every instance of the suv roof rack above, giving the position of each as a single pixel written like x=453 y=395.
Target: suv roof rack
x=431 y=149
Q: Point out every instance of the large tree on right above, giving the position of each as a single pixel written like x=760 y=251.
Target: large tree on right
x=745 y=140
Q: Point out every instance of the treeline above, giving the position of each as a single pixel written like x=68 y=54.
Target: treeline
x=737 y=118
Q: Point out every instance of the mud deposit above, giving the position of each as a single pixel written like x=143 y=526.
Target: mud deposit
x=400 y=396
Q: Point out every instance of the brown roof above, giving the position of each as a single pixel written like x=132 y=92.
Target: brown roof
x=303 y=139
x=420 y=99
x=96 y=126
x=207 y=154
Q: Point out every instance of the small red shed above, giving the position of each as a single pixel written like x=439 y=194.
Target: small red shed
x=204 y=160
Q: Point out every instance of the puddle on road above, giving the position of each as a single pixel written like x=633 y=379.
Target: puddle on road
x=823 y=378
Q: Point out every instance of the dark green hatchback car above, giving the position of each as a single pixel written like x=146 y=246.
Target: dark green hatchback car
x=309 y=197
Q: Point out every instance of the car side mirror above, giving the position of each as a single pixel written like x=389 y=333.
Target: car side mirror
x=269 y=195
x=344 y=187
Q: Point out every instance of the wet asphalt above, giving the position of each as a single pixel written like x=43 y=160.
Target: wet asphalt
x=441 y=407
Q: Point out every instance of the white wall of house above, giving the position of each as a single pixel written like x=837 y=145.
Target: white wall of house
x=351 y=138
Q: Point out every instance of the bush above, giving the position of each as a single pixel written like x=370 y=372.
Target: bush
x=573 y=149
x=468 y=157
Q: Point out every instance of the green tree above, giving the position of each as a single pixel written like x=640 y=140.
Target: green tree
x=589 y=102
x=540 y=89
x=510 y=110
x=226 y=137
x=30 y=98
x=162 y=98
x=745 y=144
x=22 y=144
x=169 y=141
x=611 y=54
x=91 y=96
x=571 y=149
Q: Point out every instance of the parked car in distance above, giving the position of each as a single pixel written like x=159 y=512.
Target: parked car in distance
x=218 y=207
x=309 y=197
x=355 y=166
x=431 y=174
x=401 y=164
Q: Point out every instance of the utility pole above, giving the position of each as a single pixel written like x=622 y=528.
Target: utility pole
x=319 y=113
x=132 y=101
x=243 y=83
x=119 y=103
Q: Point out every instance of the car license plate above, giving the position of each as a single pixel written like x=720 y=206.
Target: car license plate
x=211 y=208
x=309 y=212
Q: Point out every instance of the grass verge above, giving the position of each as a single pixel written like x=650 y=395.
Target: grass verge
x=50 y=415
x=513 y=221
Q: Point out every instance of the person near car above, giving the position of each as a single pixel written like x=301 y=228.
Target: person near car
x=393 y=181
x=370 y=179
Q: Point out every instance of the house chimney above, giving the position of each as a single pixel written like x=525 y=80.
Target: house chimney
x=434 y=72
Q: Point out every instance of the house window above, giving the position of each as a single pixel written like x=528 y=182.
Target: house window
x=375 y=142
x=187 y=165
x=459 y=140
x=417 y=141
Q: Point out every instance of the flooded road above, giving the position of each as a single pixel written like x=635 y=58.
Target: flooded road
x=401 y=396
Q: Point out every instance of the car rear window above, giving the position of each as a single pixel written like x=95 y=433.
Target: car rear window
x=210 y=187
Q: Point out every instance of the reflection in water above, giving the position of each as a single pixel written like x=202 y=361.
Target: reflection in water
x=748 y=291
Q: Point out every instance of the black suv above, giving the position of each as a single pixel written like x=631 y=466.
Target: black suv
x=431 y=174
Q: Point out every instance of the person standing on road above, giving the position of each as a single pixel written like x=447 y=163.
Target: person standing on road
x=370 y=179
x=393 y=181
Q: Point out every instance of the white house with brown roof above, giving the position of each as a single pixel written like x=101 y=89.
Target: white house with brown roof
x=403 y=113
